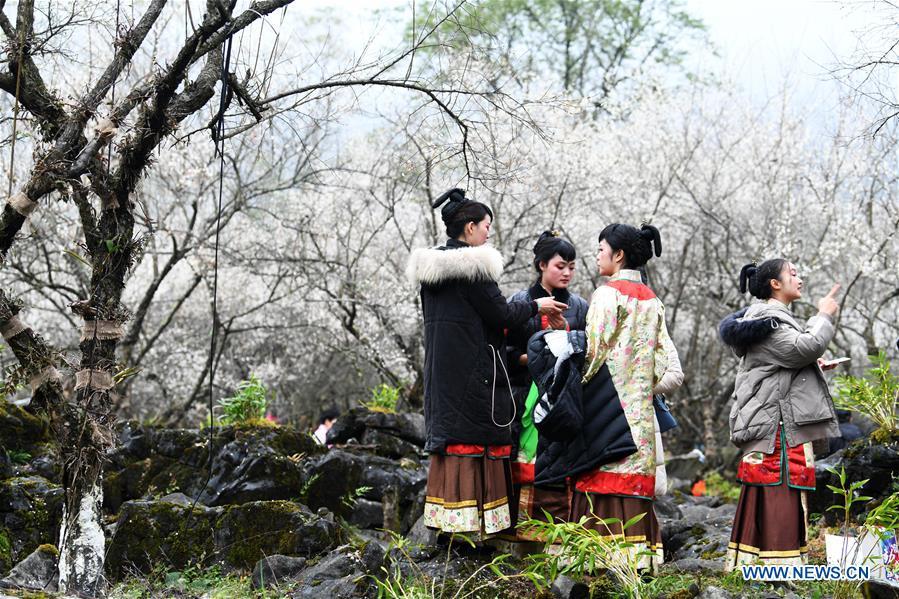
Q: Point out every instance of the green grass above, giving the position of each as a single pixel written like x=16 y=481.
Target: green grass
x=189 y=584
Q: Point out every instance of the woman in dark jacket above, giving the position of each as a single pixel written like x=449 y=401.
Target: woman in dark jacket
x=554 y=261
x=468 y=400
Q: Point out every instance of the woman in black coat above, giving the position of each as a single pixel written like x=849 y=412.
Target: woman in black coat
x=468 y=401
x=554 y=262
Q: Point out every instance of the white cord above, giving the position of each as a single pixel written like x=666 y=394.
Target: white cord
x=493 y=391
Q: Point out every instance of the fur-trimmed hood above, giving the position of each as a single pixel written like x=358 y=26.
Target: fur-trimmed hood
x=432 y=266
x=750 y=326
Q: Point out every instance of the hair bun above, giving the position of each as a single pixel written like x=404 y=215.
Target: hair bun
x=746 y=273
x=454 y=198
x=651 y=234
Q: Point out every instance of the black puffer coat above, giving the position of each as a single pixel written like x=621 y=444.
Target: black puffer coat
x=466 y=390
x=604 y=436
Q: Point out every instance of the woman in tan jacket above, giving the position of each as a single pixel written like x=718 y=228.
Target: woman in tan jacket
x=781 y=404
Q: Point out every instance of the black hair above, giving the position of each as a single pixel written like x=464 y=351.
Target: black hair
x=548 y=245
x=458 y=211
x=638 y=245
x=329 y=414
x=757 y=279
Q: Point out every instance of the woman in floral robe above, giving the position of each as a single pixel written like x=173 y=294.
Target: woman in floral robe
x=626 y=331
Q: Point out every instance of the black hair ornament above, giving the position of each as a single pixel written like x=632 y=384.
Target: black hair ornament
x=454 y=199
x=651 y=234
x=746 y=273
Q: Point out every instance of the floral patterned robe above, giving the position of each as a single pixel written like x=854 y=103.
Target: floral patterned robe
x=626 y=330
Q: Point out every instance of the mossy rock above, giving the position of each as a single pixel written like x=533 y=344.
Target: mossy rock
x=6 y=561
x=149 y=533
x=30 y=512
x=20 y=430
x=248 y=463
x=249 y=532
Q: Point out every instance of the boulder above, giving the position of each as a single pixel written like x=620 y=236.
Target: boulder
x=388 y=446
x=687 y=466
x=21 y=430
x=277 y=570
x=248 y=532
x=713 y=592
x=336 y=574
x=407 y=426
x=174 y=534
x=367 y=514
x=30 y=513
x=149 y=533
x=862 y=460
x=37 y=572
x=248 y=464
x=353 y=423
x=698 y=530
x=343 y=474
x=564 y=587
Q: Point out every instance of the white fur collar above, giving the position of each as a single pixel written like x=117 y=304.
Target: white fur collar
x=431 y=266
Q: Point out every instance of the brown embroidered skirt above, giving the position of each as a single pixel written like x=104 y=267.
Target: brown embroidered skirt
x=645 y=536
x=769 y=527
x=469 y=494
x=536 y=502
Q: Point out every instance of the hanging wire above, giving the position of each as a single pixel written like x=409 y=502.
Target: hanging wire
x=220 y=153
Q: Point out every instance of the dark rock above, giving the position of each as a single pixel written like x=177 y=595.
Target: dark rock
x=353 y=423
x=374 y=558
x=687 y=466
x=420 y=534
x=341 y=588
x=277 y=570
x=151 y=533
x=876 y=589
x=406 y=426
x=565 y=588
x=180 y=499
x=388 y=446
x=176 y=443
x=30 y=513
x=21 y=430
x=6 y=469
x=862 y=460
x=681 y=485
x=367 y=514
x=37 y=572
x=335 y=575
x=45 y=465
x=248 y=464
x=693 y=565
x=713 y=592
x=135 y=440
x=701 y=532
x=348 y=425
x=247 y=533
x=157 y=532
x=665 y=507
x=332 y=478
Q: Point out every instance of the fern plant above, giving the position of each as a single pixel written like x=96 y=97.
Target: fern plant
x=384 y=398
x=576 y=549
x=874 y=395
x=248 y=404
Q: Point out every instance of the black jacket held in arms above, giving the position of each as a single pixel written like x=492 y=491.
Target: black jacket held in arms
x=604 y=436
x=517 y=340
x=466 y=389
